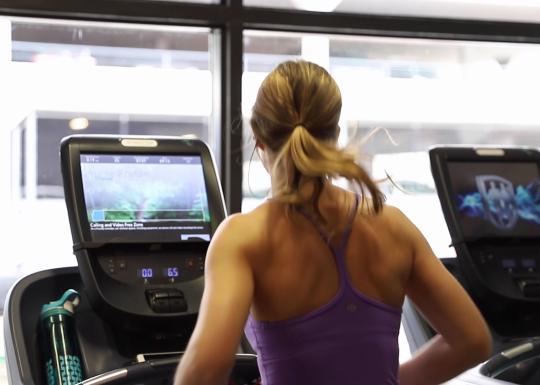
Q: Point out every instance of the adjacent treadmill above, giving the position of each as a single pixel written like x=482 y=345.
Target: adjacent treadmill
x=142 y=212
x=491 y=202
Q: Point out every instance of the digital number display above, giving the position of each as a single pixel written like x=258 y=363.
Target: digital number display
x=145 y=272
x=148 y=272
x=171 y=272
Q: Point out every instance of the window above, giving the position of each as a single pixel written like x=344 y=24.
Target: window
x=68 y=77
x=419 y=93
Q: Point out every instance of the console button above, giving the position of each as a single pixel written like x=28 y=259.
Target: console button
x=509 y=264
x=201 y=264
x=166 y=301
x=177 y=301
x=530 y=289
x=111 y=266
x=177 y=305
x=162 y=305
x=529 y=264
x=158 y=300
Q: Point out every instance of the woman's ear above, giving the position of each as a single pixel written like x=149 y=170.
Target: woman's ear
x=260 y=145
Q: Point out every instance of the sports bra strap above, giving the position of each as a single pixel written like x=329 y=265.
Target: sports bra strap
x=348 y=229
x=324 y=234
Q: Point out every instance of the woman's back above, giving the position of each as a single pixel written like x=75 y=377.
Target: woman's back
x=330 y=308
x=296 y=272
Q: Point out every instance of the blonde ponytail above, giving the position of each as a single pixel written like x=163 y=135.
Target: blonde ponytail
x=296 y=117
x=305 y=160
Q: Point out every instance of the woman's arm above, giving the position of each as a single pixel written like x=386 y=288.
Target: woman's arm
x=225 y=305
x=463 y=338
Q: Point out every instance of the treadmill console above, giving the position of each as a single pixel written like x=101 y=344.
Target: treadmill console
x=491 y=201
x=142 y=212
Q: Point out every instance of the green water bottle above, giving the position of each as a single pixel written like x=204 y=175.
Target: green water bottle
x=63 y=365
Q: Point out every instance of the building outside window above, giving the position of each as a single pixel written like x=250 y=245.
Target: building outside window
x=62 y=78
x=414 y=93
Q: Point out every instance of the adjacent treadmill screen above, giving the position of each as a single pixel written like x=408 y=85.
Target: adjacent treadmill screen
x=145 y=198
x=496 y=199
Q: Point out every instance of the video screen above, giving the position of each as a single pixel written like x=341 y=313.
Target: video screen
x=145 y=198
x=496 y=199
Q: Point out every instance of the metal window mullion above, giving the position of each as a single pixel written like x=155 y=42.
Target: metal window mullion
x=232 y=52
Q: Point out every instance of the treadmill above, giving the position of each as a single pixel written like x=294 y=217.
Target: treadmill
x=490 y=198
x=142 y=212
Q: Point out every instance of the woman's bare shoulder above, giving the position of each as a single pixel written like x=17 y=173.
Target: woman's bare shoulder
x=392 y=221
x=388 y=213
x=246 y=228
x=255 y=215
x=392 y=213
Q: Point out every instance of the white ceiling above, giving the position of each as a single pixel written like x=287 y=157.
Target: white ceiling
x=499 y=10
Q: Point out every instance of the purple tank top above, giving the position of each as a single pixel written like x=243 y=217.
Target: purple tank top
x=351 y=340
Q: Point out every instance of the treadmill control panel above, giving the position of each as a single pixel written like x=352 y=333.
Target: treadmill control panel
x=513 y=271
x=510 y=264
x=159 y=269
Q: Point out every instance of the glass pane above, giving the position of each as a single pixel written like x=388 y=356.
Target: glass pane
x=417 y=93
x=518 y=10
x=64 y=77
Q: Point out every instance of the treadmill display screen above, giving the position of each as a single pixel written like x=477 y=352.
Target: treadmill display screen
x=496 y=199
x=145 y=198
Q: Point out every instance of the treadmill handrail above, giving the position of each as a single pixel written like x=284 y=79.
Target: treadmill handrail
x=105 y=377
x=509 y=357
x=133 y=372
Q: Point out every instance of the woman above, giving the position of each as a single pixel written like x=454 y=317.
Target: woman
x=320 y=273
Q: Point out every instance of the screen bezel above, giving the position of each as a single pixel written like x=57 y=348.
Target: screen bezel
x=440 y=157
x=73 y=147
